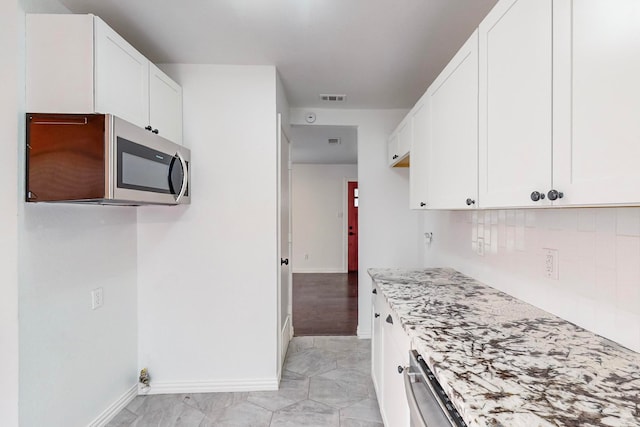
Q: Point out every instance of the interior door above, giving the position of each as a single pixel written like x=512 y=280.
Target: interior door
x=284 y=242
x=352 y=213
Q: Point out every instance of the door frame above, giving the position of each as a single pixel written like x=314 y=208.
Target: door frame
x=345 y=223
x=283 y=336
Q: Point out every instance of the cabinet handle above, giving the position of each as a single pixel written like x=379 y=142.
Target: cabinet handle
x=155 y=131
x=400 y=369
x=554 y=194
x=376 y=315
x=375 y=291
x=470 y=202
x=423 y=204
x=389 y=320
x=148 y=127
x=536 y=195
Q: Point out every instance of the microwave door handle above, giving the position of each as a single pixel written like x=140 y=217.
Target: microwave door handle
x=185 y=177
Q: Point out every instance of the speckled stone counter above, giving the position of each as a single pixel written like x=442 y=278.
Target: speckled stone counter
x=504 y=362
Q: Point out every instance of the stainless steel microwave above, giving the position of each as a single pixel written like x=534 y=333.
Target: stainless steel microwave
x=102 y=159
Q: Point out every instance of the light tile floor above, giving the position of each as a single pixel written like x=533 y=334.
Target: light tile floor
x=326 y=382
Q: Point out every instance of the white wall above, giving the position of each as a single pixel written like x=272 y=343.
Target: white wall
x=388 y=231
x=208 y=271
x=50 y=256
x=76 y=362
x=599 y=261
x=320 y=217
x=12 y=77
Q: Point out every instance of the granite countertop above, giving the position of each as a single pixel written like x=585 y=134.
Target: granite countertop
x=504 y=362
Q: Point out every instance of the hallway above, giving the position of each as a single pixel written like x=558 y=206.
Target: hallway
x=325 y=303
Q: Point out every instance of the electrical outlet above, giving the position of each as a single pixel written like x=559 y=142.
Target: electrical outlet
x=551 y=263
x=306 y=256
x=480 y=246
x=97 y=298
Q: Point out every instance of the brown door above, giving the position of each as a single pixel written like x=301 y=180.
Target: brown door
x=352 y=202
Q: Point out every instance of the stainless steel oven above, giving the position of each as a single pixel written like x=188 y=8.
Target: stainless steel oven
x=429 y=405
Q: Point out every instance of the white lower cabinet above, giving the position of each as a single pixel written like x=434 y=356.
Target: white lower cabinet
x=390 y=356
x=376 y=341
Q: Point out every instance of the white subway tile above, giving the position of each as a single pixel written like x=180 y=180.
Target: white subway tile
x=530 y=218
x=563 y=219
x=626 y=330
x=628 y=222
x=628 y=274
x=520 y=237
x=605 y=249
x=606 y=220
x=586 y=220
x=605 y=288
x=494 y=217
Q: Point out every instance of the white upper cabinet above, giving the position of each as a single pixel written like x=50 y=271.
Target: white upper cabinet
x=453 y=132
x=419 y=170
x=515 y=92
x=78 y=64
x=399 y=144
x=597 y=102
x=165 y=105
x=121 y=77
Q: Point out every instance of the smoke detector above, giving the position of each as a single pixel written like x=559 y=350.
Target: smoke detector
x=333 y=97
x=333 y=141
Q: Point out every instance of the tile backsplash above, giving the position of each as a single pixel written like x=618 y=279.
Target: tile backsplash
x=598 y=258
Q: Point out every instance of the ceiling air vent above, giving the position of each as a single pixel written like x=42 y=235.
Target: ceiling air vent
x=333 y=98
x=334 y=141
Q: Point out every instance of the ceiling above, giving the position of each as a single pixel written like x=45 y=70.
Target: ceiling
x=309 y=144
x=380 y=53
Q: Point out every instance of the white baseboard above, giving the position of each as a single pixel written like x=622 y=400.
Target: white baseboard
x=363 y=334
x=264 y=384
x=319 y=270
x=113 y=409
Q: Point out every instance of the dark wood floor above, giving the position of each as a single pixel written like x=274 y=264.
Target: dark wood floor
x=325 y=303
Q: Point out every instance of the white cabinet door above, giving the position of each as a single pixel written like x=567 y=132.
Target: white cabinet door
x=121 y=77
x=399 y=145
x=597 y=101
x=392 y=149
x=165 y=105
x=453 y=127
x=376 y=343
x=419 y=169
x=59 y=63
x=395 y=408
x=404 y=137
x=515 y=92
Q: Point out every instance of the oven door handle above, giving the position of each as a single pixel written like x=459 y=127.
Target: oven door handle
x=185 y=177
x=414 y=409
